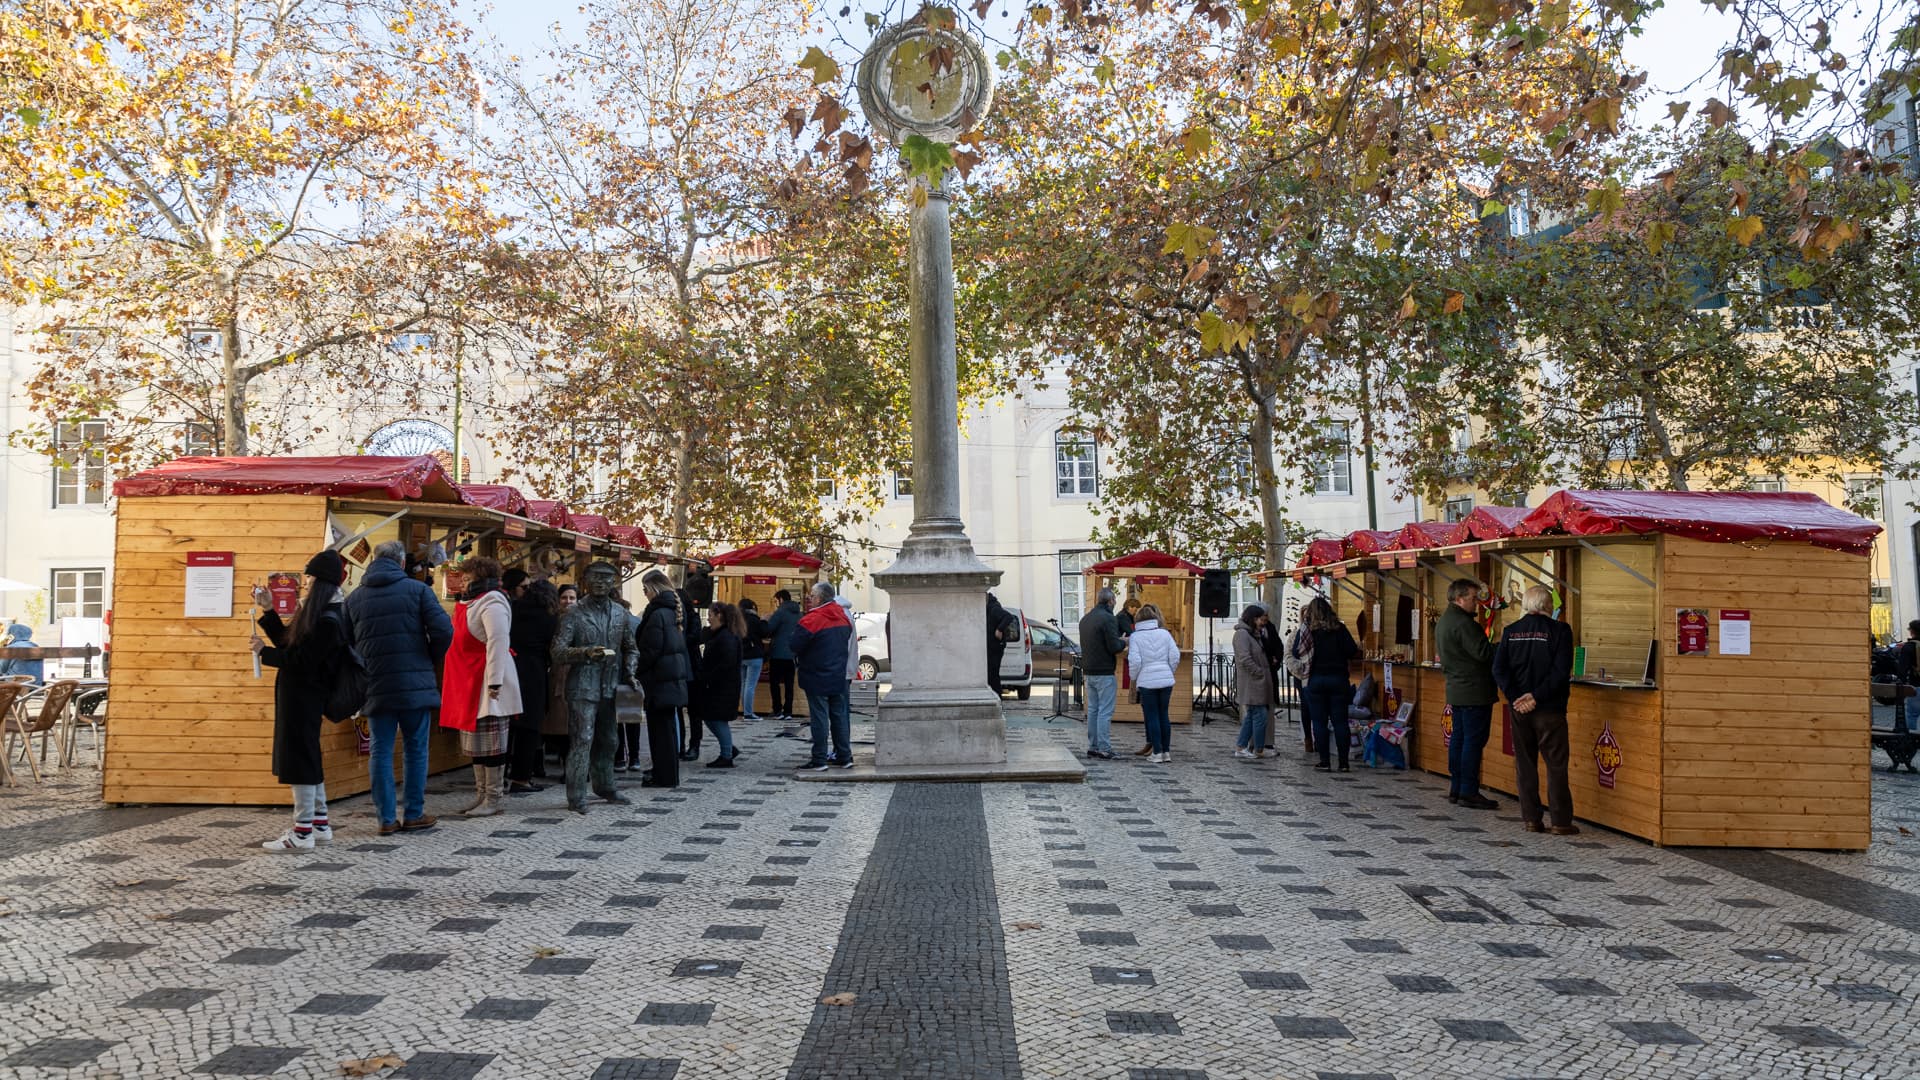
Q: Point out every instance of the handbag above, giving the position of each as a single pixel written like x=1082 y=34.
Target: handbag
x=1298 y=658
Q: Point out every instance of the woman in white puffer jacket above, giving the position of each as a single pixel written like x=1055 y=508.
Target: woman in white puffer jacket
x=1152 y=658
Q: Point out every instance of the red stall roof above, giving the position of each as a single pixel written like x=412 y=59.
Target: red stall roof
x=799 y=560
x=593 y=525
x=549 y=512
x=1420 y=535
x=1147 y=559
x=1322 y=552
x=502 y=497
x=337 y=477
x=630 y=536
x=1368 y=541
x=1718 y=516
x=1494 y=522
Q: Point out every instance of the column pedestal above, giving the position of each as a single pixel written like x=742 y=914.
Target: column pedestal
x=939 y=710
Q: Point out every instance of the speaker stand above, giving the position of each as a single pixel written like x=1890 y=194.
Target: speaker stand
x=1212 y=695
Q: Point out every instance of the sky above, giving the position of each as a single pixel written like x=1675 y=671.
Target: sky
x=1681 y=42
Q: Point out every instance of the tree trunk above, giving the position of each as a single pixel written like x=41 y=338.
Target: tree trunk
x=1267 y=487
x=233 y=404
x=682 y=504
x=1670 y=459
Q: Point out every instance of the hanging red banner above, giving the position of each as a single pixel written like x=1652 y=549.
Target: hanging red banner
x=762 y=579
x=1151 y=579
x=515 y=528
x=1468 y=554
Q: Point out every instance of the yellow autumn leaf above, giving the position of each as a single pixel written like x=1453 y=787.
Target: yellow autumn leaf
x=1455 y=302
x=1408 y=308
x=1659 y=235
x=1745 y=230
x=824 y=67
x=1190 y=241
x=1197 y=141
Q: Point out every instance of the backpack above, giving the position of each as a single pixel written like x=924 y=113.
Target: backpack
x=347 y=684
x=1298 y=658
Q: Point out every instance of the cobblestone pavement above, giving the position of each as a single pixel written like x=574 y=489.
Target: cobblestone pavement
x=1209 y=918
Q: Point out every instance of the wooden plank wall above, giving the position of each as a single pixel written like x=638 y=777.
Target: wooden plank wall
x=190 y=723
x=1772 y=749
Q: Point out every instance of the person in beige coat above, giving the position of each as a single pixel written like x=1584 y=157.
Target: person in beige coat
x=1252 y=683
x=489 y=621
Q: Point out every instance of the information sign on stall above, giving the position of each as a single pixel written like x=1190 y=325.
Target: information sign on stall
x=209 y=584
x=1691 y=630
x=514 y=528
x=761 y=579
x=1736 y=633
x=1468 y=554
x=284 y=587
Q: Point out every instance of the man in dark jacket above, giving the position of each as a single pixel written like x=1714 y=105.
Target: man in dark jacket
x=1466 y=658
x=663 y=667
x=820 y=654
x=1100 y=647
x=753 y=654
x=999 y=625
x=1533 y=666
x=402 y=633
x=780 y=627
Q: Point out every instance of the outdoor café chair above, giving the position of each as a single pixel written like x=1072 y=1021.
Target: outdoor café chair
x=10 y=692
x=90 y=712
x=53 y=703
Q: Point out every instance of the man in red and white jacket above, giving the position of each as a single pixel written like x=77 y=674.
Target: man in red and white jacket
x=820 y=647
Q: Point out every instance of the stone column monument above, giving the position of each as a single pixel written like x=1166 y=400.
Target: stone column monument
x=939 y=711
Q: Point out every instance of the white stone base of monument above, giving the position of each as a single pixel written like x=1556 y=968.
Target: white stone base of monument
x=939 y=711
x=1025 y=761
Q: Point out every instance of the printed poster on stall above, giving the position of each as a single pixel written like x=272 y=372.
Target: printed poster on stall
x=1691 y=630
x=1446 y=726
x=209 y=584
x=1736 y=633
x=1606 y=755
x=284 y=587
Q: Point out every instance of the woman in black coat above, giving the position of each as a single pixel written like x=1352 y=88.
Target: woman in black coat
x=717 y=688
x=306 y=655
x=663 y=669
x=536 y=613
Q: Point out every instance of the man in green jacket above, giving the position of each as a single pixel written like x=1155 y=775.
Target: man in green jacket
x=1466 y=657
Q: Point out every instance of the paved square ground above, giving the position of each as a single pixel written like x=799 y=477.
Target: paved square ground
x=1208 y=918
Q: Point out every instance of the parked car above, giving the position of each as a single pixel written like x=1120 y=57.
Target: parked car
x=1016 y=664
x=1055 y=654
x=875 y=656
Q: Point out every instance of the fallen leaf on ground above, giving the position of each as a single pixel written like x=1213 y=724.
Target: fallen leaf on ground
x=161 y=916
x=1026 y=926
x=544 y=953
x=369 y=1066
x=1904 y=831
x=842 y=998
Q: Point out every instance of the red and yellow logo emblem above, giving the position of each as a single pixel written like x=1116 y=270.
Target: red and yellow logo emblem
x=1606 y=755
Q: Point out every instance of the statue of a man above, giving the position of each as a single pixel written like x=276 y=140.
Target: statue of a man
x=595 y=639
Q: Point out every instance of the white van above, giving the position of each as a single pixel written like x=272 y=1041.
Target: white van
x=1016 y=664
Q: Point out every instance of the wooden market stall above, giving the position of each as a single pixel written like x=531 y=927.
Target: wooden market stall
x=1718 y=696
x=755 y=573
x=1171 y=584
x=191 y=722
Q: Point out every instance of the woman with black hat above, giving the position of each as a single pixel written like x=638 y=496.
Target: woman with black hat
x=307 y=655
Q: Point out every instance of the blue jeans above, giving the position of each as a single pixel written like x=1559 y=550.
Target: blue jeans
x=1328 y=697
x=749 y=681
x=1471 y=725
x=826 y=711
x=1153 y=708
x=1102 y=692
x=1906 y=716
x=722 y=734
x=413 y=727
x=1253 y=728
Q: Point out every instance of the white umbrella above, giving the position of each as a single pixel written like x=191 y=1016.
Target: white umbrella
x=7 y=584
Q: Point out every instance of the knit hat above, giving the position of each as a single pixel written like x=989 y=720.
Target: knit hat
x=329 y=567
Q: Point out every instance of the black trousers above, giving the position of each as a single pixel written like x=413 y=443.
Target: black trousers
x=995 y=652
x=663 y=742
x=1542 y=734
x=780 y=686
x=525 y=749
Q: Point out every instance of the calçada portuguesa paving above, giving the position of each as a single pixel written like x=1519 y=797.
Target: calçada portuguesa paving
x=1207 y=918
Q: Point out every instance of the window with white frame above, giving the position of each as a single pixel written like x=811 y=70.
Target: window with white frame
x=1234 y=475
x=202 y=342
x=198 y=440
x=79 y=594
x=1520 y=212
x=1076 y=464
x=411 y=342
x=80 y=465
x=824 y=485
x=1074 y=600
x=1863 y=495
x=1457 y=508
x=903 y=480
x=1333 y=473
x=1766 y=483
x=1246 y=591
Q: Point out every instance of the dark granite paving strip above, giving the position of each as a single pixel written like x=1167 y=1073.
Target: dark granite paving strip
x=39 y=836
x=1863 y=898
x=921 y=950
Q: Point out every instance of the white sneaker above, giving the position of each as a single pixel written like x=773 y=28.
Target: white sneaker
x=290 y=841
x=1166 y=756
x=323 y=834
x=1243 y=752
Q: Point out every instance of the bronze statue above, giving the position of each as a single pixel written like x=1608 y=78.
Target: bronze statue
x=596 y=639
